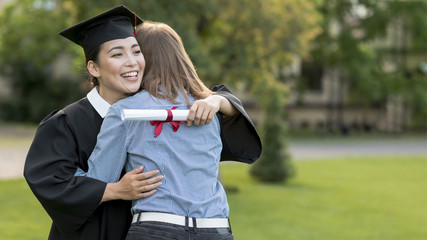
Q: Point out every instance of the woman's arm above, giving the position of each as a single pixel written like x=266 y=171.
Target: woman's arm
x=240 y=138
x=49 y=171
x=133 y=185
x=238 y=133
x=63 y=142
x=108 y=159
x=203 y=111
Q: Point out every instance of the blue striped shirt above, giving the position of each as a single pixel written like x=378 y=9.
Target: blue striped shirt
x=188 y=159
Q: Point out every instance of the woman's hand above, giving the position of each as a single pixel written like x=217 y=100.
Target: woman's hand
x=133 y=185
x=203 y=111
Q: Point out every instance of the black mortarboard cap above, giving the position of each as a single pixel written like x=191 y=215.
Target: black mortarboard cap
x=116 y=23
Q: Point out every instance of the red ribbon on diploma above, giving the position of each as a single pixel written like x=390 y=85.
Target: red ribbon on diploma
x=159 y=124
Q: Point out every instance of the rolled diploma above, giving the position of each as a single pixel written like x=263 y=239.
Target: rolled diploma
x=153 y=115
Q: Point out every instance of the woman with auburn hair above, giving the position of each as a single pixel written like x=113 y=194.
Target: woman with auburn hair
x=191 y=202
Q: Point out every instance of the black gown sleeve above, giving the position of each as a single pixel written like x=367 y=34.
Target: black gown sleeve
x=240 y=139
x=49 y=171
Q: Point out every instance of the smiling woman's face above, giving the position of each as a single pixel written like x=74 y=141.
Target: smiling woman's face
x=119 y=69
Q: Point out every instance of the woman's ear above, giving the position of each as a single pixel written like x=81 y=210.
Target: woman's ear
x=93 y=69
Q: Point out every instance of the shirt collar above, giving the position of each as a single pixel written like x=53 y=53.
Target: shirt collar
x=100 y=105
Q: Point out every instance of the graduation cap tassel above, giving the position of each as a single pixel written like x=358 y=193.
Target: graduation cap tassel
x=134 y=28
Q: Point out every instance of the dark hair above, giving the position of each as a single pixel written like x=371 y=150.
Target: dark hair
x=93 y=55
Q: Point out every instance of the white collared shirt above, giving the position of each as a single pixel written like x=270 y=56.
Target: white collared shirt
x=100 y=105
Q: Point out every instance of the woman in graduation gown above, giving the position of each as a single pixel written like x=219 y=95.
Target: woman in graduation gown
x=85 y=208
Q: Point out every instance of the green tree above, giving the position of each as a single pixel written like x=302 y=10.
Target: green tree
x=360 y=37
x=275 y=163
x=254 y=42
x=29 y=49
x=407 y=21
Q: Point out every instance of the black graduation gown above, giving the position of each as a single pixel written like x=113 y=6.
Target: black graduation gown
x=64 y=141
x=238 y=133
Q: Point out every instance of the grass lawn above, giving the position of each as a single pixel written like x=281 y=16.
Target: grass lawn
x=359 y=198
x=21 y=215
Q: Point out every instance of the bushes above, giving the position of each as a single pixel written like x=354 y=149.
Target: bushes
x=32 y=102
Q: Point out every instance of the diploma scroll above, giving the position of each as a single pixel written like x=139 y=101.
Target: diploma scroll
x=153 y=115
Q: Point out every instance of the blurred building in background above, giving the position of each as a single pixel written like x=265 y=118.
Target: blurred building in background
x=325 y=103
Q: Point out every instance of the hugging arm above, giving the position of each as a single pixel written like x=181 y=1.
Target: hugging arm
x=240 y=139
x=49 y=171
x=238 y=133
x=108 y=159
x=109 y=155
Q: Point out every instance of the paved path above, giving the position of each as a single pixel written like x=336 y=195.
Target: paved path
x=323 y=149
x=14 y=144
x=13 y=152
x=12 y=161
